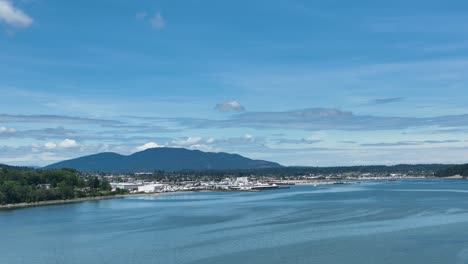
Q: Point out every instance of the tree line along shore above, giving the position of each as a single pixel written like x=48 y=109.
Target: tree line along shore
x=26 y=185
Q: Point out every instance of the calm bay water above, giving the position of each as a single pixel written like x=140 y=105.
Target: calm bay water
x=375 y=222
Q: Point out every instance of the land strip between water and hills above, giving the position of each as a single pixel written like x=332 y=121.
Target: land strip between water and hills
x=25 y=187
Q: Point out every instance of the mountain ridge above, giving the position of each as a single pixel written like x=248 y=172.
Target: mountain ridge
x=166 y=159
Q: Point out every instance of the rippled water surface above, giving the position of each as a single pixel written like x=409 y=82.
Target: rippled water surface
x=374 y=222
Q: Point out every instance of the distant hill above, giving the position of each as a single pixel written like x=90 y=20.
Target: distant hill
x=453 y=170
x=4 y=166
x=166 y=159
x=422 y=169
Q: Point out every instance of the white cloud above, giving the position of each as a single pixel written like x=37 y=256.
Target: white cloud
x=202 y=147
x=203 y=144
x=228 y=106
x=33 y=159
x=249 y=138
x=50 y=145
x=68 y=143
x=157 y=21
x=65 y=144
x=7 y=130
x=148 y=146
x=188 y=142
x=13 y=16
x=212 y=143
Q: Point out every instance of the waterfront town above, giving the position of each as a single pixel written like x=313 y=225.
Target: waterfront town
x=229 y=184
x=139 y=184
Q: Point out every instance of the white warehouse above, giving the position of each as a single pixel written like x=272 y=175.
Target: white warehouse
x=150 y=188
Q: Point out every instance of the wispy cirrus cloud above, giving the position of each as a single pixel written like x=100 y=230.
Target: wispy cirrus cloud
x=7 y=130
x=348 y=142
x=409 y=143
x=116 y=135
x=158 y=22
x=301 y=141
x=13 y=16
x=380 y=101
x=7 y=118
x=313 y=119
x=206 y=143
x=141 y=15
x=24 y=156
x=435 y=24
x=44 y=133
x=194 y=142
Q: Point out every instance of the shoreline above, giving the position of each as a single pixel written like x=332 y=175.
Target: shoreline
x=57 y=202
x=90 y=199
x=78 y=200
x=121 y=196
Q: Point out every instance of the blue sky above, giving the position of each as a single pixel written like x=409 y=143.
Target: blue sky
x=297 y=82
